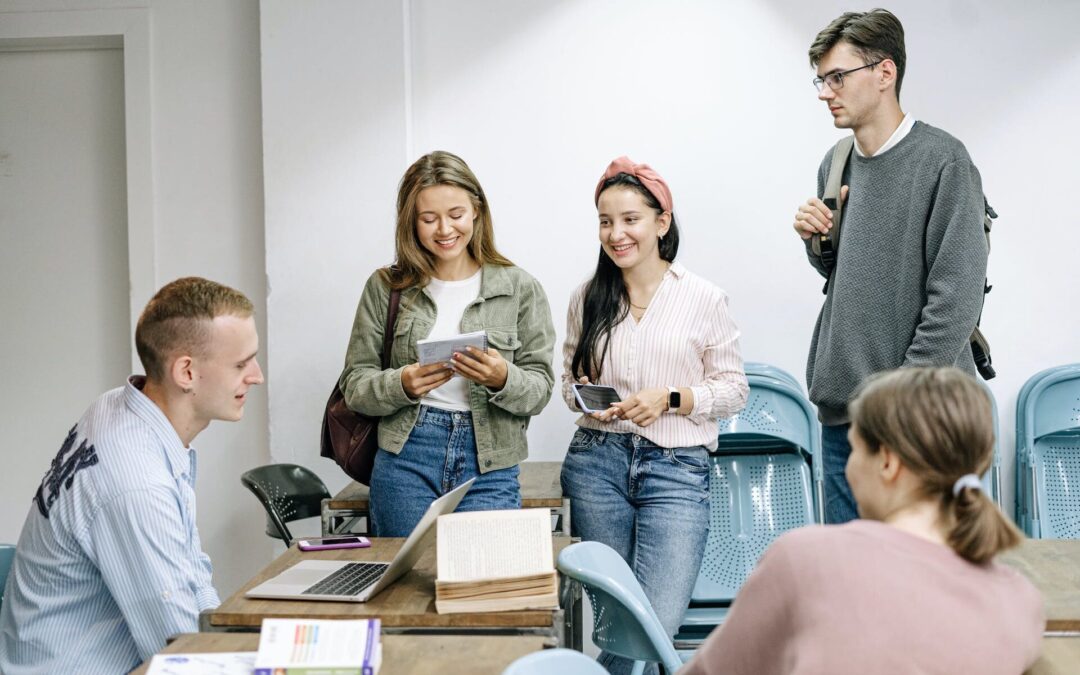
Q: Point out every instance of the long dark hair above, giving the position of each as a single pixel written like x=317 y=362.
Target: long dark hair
x=606 y=300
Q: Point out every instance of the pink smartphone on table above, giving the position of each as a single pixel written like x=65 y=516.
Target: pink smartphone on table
x=326 y=543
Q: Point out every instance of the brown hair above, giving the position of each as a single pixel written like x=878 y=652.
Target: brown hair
x=939 y=421
x=875 y=35
x=178 y=318
x=415 y=265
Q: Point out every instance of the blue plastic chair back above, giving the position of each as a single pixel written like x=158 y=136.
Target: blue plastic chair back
x=561 y=661
x=7 y=556
x=992 y=479
x=1049 y=468
x=768 y=370
x=624 y=622
x=753 y=500
x=1023 y=475
x=777 y=419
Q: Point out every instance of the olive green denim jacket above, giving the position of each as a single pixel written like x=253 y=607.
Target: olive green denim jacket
x=512 y=308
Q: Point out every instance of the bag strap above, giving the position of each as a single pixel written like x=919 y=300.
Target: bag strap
x=825 y=246
x=388 y=329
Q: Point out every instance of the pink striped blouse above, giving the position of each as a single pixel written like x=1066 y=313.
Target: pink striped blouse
x=686 y=338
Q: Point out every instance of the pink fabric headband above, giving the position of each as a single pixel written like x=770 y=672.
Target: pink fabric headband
x=652 y=181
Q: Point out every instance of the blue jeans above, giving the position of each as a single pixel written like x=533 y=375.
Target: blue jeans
x=650 y=504
x=839 y=502
x=439 y=456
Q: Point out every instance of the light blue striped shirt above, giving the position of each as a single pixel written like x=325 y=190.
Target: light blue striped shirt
x=109 y=563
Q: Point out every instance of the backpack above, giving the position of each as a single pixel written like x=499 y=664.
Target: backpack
x=826 y=247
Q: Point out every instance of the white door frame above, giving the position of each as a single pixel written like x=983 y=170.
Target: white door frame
x=128 y=29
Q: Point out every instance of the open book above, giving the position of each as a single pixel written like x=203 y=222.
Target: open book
x=492 y=561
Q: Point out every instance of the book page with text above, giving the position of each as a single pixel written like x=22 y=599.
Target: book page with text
x=479 y=545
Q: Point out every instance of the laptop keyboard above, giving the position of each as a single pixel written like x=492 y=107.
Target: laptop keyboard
x=351 y=579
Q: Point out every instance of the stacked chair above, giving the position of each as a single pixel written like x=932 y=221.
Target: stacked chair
x=991 y=480
x=765 y=478
x=1048 y=454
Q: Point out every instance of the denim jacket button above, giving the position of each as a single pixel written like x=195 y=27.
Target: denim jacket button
x=487 y=462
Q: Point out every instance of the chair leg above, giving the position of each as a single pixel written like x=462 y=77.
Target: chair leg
x=639 y=668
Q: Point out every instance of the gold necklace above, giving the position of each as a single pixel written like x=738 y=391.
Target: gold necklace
x=638 y=306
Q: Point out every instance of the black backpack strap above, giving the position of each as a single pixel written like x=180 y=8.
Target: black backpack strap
x=826 y=246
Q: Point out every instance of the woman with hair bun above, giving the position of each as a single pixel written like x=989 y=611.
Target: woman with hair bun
x=911 y=588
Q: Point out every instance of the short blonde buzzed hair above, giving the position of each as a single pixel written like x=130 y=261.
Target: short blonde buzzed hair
x=178 y=318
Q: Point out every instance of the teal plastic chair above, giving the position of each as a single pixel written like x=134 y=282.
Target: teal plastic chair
x=991 y=480
x=560 y=661
x=7 y=556
x=769 y=370
x=624 y=622
x=1048 y=454
x=763 y=479
x=287 y=492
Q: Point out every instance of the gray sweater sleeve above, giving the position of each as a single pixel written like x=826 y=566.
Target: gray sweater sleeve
x=955 y=268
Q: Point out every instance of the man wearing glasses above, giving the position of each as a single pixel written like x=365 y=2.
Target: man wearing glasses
x=907 y=285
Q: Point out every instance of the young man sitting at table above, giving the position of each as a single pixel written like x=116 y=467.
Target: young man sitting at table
x=109 y=563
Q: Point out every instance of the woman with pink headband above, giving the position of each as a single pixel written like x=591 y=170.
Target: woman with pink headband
x=637 y=472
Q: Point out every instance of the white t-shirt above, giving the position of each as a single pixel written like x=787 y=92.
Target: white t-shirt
x=451 y=299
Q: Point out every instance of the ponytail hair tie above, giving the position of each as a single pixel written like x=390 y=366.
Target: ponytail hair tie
x=968 y=480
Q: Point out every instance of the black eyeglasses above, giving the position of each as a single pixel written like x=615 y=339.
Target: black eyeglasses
x=836 y=80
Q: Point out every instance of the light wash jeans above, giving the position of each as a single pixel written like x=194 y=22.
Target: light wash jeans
x=840 y=504
x=439 y=456
x=651 y=504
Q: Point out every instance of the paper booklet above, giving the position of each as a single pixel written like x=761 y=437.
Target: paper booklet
x=316 y=646
x=491 y=561
x=210 y=663
x=442 y=350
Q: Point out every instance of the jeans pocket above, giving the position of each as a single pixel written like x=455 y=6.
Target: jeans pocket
x=583 y=440
x=694 y=460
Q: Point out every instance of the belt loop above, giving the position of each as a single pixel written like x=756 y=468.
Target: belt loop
x=421 y=417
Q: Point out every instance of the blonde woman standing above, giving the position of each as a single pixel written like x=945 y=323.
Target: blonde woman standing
x=445 y=423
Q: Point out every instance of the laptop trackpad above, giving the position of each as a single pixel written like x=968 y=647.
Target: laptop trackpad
x=309 y=572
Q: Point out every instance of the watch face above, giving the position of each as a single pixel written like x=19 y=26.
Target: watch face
x=674 y=400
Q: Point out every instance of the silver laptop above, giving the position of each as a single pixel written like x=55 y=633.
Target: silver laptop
x=346 y=581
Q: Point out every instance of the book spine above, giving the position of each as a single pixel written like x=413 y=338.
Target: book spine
x=374 y=629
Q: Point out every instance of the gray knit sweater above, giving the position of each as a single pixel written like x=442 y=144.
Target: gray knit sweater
x=908 y=284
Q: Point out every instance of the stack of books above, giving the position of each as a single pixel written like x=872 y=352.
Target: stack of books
x=319 y=647
x=491 y=561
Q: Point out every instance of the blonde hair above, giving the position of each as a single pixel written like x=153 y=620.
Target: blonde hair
x=415 y=265
x=939 y=421
x=178 y=318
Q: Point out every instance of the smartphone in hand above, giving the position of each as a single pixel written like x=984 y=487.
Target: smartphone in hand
x=594 y=397
x=327 y=543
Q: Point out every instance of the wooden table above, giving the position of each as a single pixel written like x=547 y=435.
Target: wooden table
x=406 y=606
x=540 y=488
x=1060 y=656
x=1053 y=565
x=402 y=654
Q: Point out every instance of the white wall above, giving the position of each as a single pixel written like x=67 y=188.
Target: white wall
x=538 y=97
x=206 y=219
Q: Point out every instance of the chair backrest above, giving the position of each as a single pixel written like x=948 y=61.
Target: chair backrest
x=753 y=499
x=7 y=556
x=769 y=370
x=624 y=622
x=1048 y=453
x=288 y=492
x=777 y=418
x=561 y=661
